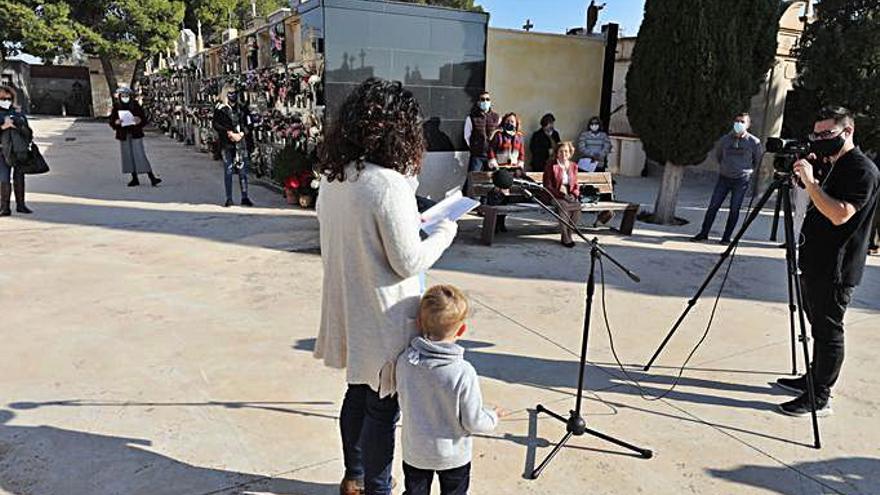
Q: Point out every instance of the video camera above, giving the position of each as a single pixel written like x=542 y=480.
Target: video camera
x=789 y=150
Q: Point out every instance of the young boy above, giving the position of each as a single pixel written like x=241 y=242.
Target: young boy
x=440 y=398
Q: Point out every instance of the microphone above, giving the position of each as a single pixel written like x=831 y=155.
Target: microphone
x=527 y=183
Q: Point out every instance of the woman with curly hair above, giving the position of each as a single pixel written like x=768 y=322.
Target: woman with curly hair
x=507 y=147
x=372 y=255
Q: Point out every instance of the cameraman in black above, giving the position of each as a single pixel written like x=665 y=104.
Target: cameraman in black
x=836 y=234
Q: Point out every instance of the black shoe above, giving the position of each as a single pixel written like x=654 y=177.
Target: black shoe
x=797 y=385
x=246 y=202
x=568 y=244
x=5 y=212
x=699 y=238
x=801 y=407
x=228 y=203
x=23 y=209
x=155 y=181
x=724 y=242
x=134 y=182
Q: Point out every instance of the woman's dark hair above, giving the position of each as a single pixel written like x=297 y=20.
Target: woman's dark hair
x=546 y=119
x=380 y=123
x=595 y=120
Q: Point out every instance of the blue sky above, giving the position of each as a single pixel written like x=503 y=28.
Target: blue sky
x=556 y=16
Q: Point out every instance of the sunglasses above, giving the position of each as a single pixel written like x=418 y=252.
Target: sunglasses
x=5 y=99
x=485 y=99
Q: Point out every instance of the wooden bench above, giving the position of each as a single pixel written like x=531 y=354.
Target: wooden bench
x=480 y=183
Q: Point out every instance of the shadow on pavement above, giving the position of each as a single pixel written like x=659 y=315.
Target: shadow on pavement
x=845 y=475
x=283 y=232
x=56 y=461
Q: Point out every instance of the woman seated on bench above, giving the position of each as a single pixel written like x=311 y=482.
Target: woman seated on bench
x=507 y=147
x=561 y=179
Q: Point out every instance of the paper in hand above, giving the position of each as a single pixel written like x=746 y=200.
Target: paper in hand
x=127 y=118
x=452 y=208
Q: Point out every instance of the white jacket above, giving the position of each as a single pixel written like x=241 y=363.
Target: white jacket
x=372 y=255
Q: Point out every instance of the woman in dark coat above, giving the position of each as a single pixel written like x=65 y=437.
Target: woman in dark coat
x=130 y=134
x=543 y=142
x=11 y=121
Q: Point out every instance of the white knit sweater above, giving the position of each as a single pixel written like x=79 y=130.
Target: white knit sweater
x=372 y=254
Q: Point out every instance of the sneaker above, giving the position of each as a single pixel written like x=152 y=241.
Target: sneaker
x=724 y=242
x=797 y=385
x=699 y=238
x=228 y=203
x=801 y=407
x=246 y=202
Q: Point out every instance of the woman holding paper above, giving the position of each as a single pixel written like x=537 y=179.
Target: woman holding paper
x=561 y=179
x=372 y=256
x=128 y=120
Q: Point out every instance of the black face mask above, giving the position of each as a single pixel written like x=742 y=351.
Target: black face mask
x=233 y=98
x=824 y=148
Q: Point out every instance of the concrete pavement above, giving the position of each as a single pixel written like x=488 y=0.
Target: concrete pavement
x=154 y=342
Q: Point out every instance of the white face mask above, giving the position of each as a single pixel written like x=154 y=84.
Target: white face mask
x=124 y=99
x=594 y=127
x=5 y=104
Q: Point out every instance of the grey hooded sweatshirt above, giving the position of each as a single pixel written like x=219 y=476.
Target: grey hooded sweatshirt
x=441 y=404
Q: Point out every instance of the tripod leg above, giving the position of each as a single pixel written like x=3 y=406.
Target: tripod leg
x=751 y=218
x=792 y=255
x=775 y=228
x=646 y=453
x=551 y=455
x=792 y=308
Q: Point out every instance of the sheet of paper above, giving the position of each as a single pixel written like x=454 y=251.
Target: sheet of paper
x=127 y=118
x=452 y=208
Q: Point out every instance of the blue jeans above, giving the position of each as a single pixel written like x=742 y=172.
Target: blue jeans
x=229 y=170
x=367 y=425
x=452 y=481
x=737 y=189
x=475 y=164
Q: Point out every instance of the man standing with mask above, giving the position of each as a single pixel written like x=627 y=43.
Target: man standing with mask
x=230 y=122
x=835 y=238
x=739 y=154
x=479 y=126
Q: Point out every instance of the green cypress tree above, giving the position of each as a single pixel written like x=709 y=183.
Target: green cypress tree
x=839 y=63
x=695 y=64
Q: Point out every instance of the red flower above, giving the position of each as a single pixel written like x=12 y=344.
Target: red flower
x=292 y=183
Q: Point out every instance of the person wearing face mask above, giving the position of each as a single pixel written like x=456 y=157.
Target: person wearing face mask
x=507 y=147
x=738 y=153
x=229 y=121
x=594 y=145
x=14 y=130
x=128 y=120
x=835 y=238
x=479 y=126
x=543 y=142
x=561 y=179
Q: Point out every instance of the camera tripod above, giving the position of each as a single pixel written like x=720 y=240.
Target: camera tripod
x=783 y=184
x=575 y=425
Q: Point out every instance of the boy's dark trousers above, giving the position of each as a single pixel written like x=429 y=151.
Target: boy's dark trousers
x=452 y=481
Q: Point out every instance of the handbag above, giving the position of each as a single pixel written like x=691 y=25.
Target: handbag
x=32 y=162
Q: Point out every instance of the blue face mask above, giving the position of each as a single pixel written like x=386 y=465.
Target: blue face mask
x=485 y=105
x=739 y=127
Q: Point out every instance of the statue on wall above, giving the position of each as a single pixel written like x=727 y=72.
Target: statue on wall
x=593 y=15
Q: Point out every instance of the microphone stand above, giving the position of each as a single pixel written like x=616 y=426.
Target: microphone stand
x=575 y=425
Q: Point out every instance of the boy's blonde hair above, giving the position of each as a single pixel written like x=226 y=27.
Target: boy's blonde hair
x=442 y=311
